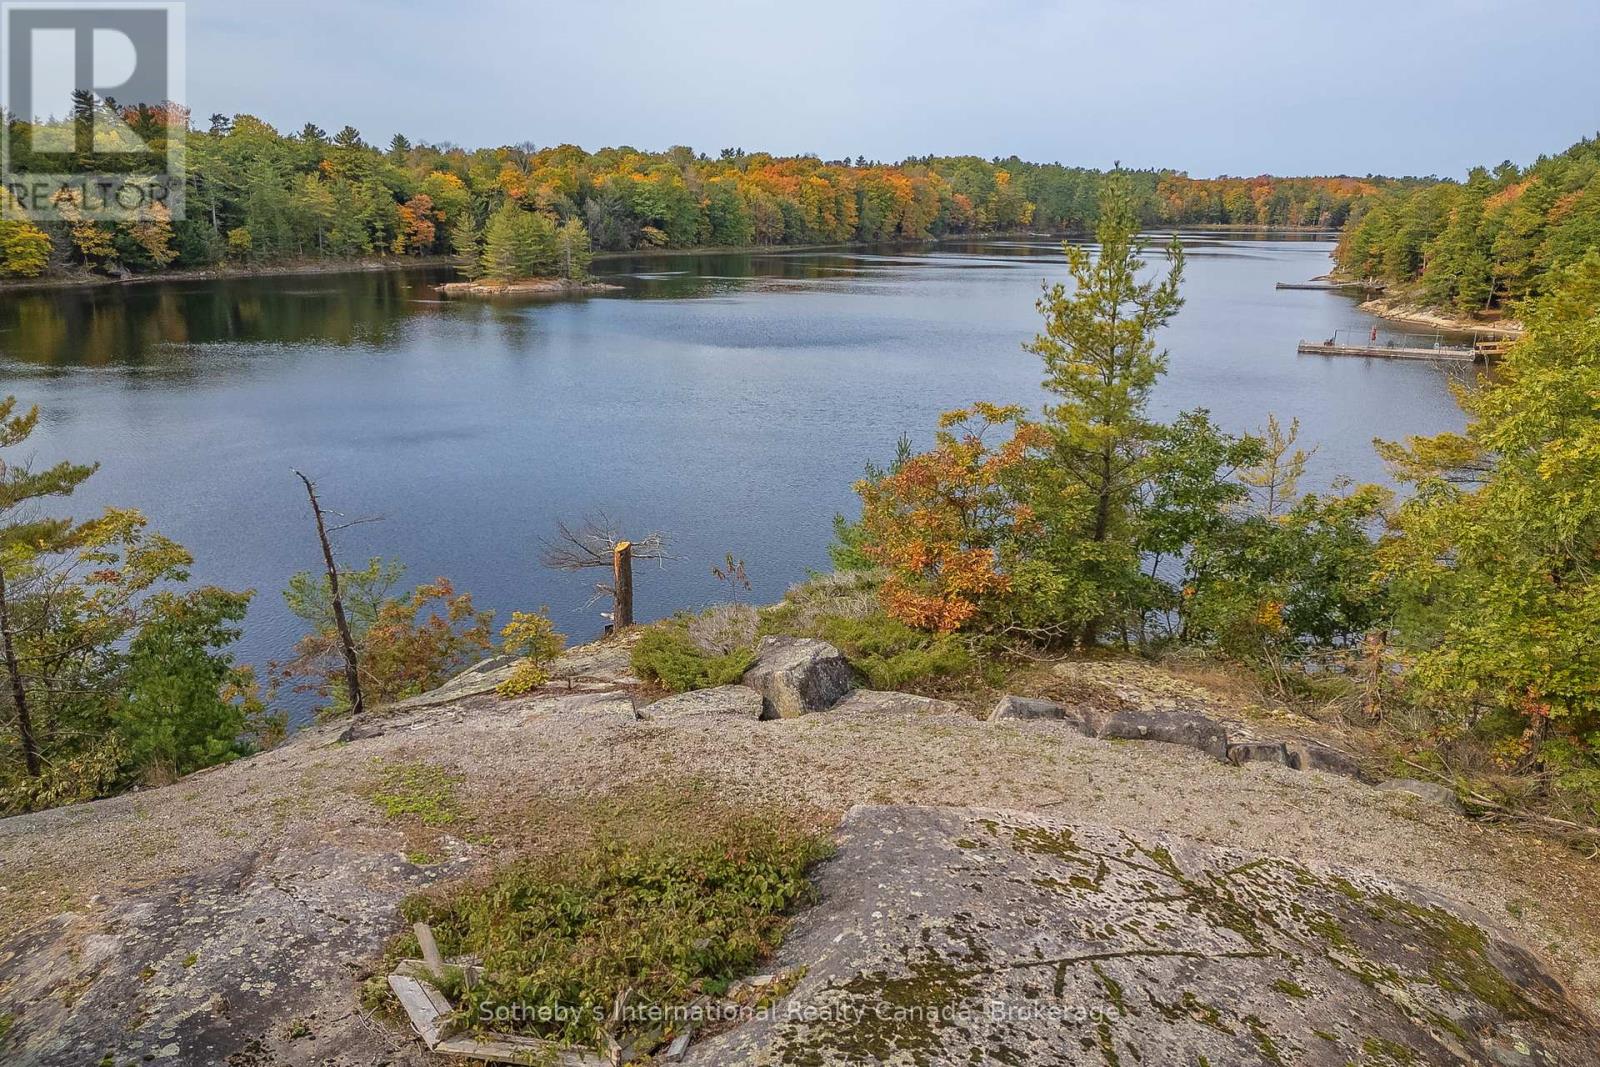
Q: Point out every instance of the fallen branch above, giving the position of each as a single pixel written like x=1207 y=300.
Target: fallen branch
x=1498 y=810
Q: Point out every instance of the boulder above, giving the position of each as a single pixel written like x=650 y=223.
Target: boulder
x=1431 y=792
x=961 y=936
x=1310 y=756
x=1242 y=752
x=891 y=703
x=737 y=700
x=798 y=675
x=1174 y=727
x=1015 y=707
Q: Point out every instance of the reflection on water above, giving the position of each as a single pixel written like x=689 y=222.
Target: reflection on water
x=151 y=324
x=728 y=400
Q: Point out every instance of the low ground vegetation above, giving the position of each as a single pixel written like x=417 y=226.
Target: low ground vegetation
x=664 y=916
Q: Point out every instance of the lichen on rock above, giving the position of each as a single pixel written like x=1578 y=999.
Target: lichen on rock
x=951 y=936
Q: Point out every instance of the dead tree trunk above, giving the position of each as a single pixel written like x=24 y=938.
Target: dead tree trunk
x=352 y=676
x=622 y=584
x=19 y=692
x=598 y=544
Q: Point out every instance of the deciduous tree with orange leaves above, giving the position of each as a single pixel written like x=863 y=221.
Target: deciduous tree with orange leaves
x=943 y=522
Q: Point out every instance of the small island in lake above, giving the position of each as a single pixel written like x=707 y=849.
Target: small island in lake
x=526 y=252
x=523 y=287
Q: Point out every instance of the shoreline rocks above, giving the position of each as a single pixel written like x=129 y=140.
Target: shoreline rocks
x=1396 y=310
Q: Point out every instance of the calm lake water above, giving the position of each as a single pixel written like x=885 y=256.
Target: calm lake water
x=726 y=400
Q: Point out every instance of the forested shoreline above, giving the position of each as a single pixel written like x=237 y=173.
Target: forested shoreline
x=256 y=197
x=1484 y=245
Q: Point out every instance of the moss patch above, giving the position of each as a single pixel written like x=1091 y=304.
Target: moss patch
x=417 y=790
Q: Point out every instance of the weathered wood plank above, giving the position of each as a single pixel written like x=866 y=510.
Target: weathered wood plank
x=470 y=971
x=680 y=1046
x=425 y=1007
x=514 y=1048
x=430 y=949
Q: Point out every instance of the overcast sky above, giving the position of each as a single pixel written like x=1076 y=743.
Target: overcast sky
x=1207 y=86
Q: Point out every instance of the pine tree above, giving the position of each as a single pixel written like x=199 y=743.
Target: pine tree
x=499 y=257
x=572 y=245
x=1100 y=358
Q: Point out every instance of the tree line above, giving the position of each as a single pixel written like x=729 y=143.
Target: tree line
x=256 y=195
x=1503 y=236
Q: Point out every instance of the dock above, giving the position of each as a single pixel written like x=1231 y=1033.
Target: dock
x=1454 y=353
x=1369 y=287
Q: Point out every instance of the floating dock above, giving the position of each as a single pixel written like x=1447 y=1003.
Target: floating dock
x=1475 y=354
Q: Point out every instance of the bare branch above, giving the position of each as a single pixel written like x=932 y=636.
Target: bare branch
x=356 y=522
x=594 y=543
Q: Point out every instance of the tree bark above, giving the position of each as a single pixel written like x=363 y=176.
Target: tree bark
x=622 y=585
x=352 y=676
x=19 y=693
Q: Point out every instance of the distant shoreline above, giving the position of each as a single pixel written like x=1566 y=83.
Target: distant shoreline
x=363 y=265
x=375 y=264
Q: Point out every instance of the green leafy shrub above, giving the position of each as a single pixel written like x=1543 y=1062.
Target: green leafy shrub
x=94 y=772
x=532 y=636
x=666 y=916
x=893 y=655
x=667 y=654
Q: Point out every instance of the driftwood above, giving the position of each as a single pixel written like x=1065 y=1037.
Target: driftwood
x=1493 y=809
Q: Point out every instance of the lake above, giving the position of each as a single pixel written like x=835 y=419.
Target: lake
x=725 y=400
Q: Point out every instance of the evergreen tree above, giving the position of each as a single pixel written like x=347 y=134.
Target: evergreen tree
x=572 y=250
x=1101 y=362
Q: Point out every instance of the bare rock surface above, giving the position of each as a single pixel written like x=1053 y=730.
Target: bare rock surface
x=878 y=702
x=1430 y=792
x=231 y=917
x=1015 y=707
x=598 y=667
x=217 y=967
x=963 y=936
x=736 y=700
x=1173 y=727
x=798 y=675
